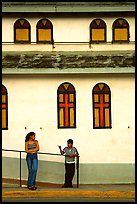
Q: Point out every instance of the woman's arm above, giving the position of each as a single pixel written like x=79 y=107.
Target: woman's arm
x=26 y=147
x=32 y=150
x=37 y=145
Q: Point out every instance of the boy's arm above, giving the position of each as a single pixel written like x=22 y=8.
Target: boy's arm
x=61 y=151
x=74 y=155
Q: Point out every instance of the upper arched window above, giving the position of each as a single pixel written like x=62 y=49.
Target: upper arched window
x=4 y=108
x=120 y=30
x=44 y=31
x=66 y=99
x=21 y=31
x=101 y=106
x=97 y=31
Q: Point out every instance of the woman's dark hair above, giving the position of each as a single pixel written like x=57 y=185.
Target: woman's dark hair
x=29 y=135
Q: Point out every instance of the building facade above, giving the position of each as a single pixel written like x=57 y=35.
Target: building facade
x=68 y=71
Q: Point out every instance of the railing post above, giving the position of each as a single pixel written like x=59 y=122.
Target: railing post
x=77 y=171
x=20 y=168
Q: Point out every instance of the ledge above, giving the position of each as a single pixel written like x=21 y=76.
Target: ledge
x=69 y=71
x=68 y=62
x=54 y=7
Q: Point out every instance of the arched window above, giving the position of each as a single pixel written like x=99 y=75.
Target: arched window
x=44 y=31
x=120 y=30
x=97 y=31
x=101 y=106
x=21 y=31
x=4 y=108
x=66 y=102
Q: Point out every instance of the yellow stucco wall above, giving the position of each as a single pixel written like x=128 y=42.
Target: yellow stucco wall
x=72 y=29
x=32 y=103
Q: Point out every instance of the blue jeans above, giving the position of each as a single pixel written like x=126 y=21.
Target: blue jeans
x=32 y=162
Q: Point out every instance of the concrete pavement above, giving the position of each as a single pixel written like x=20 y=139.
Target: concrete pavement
x=93 y=190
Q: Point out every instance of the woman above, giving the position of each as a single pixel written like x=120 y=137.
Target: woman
x=31 y=148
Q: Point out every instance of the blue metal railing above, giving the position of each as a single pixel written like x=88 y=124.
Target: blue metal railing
x=77 y=162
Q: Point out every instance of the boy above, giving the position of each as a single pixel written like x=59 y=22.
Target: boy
x=70 y=153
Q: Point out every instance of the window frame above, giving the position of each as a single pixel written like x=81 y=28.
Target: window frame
x=120 y=27
x=104 y=27
x=99 y=92
x=21 y=27
x=58 y=108
x=5 y=93
x=51 y=28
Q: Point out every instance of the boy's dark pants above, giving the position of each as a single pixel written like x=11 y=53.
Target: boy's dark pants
x=70 y=171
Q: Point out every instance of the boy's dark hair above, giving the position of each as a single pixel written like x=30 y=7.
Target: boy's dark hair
x=70 y=141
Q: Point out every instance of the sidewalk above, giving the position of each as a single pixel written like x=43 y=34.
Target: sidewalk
x=55 y=190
